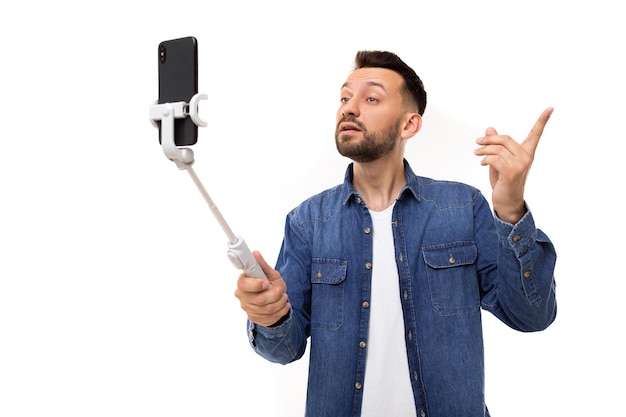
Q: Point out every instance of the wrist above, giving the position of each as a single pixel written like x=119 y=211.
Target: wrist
x=510 y=215
x=281 y=320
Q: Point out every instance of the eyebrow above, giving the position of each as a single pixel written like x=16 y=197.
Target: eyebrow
x=369 y=84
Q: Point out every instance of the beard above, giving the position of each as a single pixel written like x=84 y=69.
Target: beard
x=373 y=146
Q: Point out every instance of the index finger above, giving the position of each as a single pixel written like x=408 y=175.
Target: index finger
x=532 y=140
x=251 y=284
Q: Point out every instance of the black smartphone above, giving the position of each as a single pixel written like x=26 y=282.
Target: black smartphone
x=178 y=81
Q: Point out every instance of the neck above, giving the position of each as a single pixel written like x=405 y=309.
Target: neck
x=379 y=183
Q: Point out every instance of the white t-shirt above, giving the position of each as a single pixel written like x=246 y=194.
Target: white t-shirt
x=387 y=386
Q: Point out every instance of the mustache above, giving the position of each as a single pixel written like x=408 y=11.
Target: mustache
x=353 y=120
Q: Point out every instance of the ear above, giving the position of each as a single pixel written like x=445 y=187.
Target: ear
x=412 y=125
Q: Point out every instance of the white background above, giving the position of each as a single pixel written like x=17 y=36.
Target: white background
x=116 y=296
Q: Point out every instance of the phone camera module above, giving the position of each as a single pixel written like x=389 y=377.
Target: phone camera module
x=162 y=54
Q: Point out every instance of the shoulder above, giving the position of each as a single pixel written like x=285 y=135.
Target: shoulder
x=445 y=192
x=321 y=205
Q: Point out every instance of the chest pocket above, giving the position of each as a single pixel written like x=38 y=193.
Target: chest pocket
x=327 y=293
x=452 y=277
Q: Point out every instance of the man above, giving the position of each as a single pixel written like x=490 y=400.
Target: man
x=387 y=273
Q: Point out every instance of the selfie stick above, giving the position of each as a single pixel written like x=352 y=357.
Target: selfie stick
x=238 y=251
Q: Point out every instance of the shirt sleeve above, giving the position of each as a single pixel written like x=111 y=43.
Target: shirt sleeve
x=525 y=297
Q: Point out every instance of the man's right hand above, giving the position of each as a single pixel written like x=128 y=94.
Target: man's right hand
x=264 y=301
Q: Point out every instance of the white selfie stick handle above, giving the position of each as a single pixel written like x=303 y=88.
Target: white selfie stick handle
x=242 y=258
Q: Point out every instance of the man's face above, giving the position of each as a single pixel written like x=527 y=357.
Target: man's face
x=369 y=117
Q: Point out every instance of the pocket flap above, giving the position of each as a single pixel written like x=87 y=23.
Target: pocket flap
x=328 y=271
x=450 y=255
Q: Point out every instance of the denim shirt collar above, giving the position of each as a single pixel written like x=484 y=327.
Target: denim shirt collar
x=411 y=187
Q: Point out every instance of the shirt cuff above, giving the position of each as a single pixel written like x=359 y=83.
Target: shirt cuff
x=518 y=237
x=275 y=330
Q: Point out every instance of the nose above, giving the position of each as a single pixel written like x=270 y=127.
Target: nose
x=350 y=108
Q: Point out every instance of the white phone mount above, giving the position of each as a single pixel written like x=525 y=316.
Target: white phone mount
x=238 y=252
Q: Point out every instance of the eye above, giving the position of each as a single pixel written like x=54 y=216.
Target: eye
x=372 y=100
x=344 y=99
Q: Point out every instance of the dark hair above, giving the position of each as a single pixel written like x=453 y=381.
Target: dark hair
x=391 y=61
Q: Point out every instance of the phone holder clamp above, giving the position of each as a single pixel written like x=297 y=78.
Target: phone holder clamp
x=166 y=113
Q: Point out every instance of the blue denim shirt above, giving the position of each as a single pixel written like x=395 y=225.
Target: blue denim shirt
x=454 y=258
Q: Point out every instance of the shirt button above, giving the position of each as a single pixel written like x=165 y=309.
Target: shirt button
x=318 y=275
x=527 y=274
x=405 y=294
x=367 y=230
x=368 y=265
x=452 y=260
x=365 y=304
x=516 y=238
x=362 y=345
x=358 y=200
x=423 y=413
x=358 y=385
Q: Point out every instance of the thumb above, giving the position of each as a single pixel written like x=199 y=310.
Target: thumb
x=271 y=274
x=261 y=261
x=490 y=131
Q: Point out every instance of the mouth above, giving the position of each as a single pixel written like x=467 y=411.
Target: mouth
x=349 y=127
